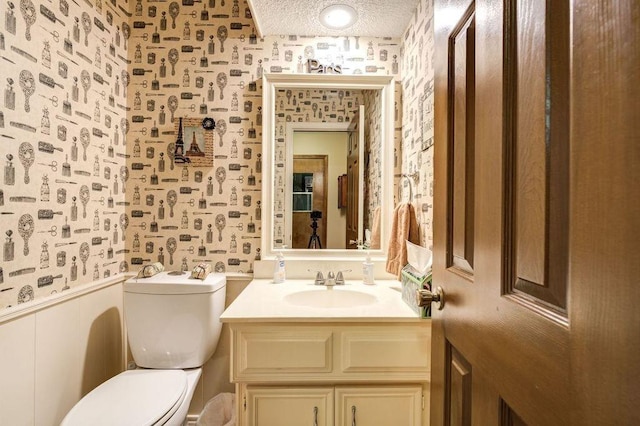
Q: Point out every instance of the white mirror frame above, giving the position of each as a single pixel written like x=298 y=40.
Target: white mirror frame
x=274 y=82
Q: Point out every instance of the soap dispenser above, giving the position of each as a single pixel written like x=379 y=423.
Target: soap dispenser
x=367 y=270
x=279 y=271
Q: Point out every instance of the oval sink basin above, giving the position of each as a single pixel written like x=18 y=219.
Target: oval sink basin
x=330 y=298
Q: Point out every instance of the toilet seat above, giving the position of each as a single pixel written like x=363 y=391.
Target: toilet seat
x=135 y=397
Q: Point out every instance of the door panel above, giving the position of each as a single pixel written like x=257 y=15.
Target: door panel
x=459 y=389
x=540 y=326
x=508 y=417
x=536 y=117
x=461 y=144
x=498 y=335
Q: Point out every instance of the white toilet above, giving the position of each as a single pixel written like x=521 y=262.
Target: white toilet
x=173 y=325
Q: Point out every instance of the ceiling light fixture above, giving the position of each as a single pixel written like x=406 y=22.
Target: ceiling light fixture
x=338 y=16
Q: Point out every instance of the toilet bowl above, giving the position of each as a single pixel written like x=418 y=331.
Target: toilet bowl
x=173 y=326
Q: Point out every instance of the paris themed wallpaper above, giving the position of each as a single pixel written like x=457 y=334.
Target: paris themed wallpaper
x=63 y=127
x=200 y=61
x=93 y=96
x=416 y=155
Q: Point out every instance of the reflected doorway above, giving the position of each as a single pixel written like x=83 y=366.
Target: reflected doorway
x=309 y=195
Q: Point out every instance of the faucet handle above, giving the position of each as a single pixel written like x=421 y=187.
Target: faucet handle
x=319 y=278
x=340 y=278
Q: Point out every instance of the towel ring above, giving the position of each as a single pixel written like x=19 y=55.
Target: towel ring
x=410 y=179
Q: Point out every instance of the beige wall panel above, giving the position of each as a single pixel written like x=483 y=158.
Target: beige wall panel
x=100 y=337
x=58 y=384
x=17 y=372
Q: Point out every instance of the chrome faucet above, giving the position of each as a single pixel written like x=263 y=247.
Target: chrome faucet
x=331 y=279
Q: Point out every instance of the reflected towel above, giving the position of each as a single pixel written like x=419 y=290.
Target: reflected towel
x=404 y=227
x=375 y=231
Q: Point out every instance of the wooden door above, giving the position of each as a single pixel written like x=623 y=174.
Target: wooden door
x=536 y=223
x=355 y=181
x=301 y=230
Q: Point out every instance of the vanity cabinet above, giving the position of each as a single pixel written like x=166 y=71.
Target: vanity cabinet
x=330 y=373
x=290 y=406
x=339 y=406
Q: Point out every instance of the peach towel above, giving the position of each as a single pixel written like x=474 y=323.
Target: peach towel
x=404 y=227
x=375 y=231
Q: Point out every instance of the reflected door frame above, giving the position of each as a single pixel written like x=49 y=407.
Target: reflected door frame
x=355 y=182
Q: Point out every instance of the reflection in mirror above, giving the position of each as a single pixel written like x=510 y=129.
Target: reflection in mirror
x=341 y=116
x=310 y=196
x=320 y=158
x=331 y=153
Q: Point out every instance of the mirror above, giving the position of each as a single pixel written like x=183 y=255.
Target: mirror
x=352 y=189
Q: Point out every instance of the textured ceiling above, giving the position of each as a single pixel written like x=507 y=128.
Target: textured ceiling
x=376 y=18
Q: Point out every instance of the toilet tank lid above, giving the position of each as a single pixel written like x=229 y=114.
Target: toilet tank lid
x=165 y=283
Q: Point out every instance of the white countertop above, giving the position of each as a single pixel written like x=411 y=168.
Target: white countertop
x=262 y=300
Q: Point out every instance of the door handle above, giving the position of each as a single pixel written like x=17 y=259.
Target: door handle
x=426 y=297
x=353 y=415
x=315 y=416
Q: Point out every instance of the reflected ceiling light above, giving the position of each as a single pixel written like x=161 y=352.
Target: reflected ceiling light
x=338 y=16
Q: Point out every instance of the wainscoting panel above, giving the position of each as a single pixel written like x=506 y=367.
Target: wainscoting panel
x=55 y=354
x=17 y=359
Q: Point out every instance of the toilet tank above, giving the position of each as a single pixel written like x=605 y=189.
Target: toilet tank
x=173 y=321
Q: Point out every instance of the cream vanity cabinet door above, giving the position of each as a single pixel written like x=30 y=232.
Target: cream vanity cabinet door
x=291 y=406
x=378 y=406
